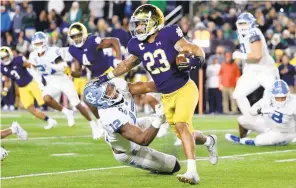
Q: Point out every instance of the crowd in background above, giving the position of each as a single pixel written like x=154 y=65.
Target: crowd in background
x=212 y=26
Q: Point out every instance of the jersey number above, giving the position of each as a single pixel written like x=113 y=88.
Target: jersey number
x=165 y=65
x=15 y=74
x=85 y=60
x=277 y=117
x=115 y=125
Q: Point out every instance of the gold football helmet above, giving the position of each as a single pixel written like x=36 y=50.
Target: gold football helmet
x=77 y=34
x=146 y=20
x=6 y=55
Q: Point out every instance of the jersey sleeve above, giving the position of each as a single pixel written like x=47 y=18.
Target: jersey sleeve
x=255 y=35
x=3 y=72
x=174 y=33
x=113 y=119
x=94 y=41
x=132 y=47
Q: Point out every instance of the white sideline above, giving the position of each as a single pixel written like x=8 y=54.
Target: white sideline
x=117 y=167
x=285 y=160
x=88 y=136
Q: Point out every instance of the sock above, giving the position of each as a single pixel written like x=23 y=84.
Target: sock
x=13 y=129
x=191 y=165
x=208 y=141
x=46 y=118
x=65 y=110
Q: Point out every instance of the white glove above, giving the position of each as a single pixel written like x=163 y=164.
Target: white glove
x=159 y=118
x=267 y=110
x=239 y=55
x=116 y=62
x=4 y=154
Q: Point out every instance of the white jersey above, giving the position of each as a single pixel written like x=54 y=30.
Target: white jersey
x=46 y=64
x=284 y=119
x=115 y=117
x=245 y=46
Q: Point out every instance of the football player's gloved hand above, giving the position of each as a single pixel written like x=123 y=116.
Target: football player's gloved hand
x=67 y=70
x=4 y=154
x=4 y=91
x=265 y=111
x=239 y=55
x=159 y=117
x=194 y=62
x=104 y=78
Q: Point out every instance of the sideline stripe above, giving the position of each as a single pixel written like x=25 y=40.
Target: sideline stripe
x=118 y=167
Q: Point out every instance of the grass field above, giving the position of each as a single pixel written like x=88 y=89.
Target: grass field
x=90 y=164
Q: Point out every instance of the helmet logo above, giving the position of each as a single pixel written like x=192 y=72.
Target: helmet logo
x=90 y=98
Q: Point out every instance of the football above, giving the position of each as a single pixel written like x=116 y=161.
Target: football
x=182 y=57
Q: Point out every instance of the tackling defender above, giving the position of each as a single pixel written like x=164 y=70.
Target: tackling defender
x=157 y=47
x=273 y=117
x=127 y=135
x=260 y=69
x=53 y=68
x=15 y=68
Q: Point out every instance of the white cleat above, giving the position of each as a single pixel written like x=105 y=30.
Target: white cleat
x=51 y=123
x=212 y=148
x=19 y=131
x=70 y=118
x=97 y=132
x=178 y=142
x=3 y=153
x=189 y=177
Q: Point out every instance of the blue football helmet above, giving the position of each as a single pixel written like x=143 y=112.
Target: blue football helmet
x=37 y=39
x=102 y=96
x=280 y=89
x=245 y=22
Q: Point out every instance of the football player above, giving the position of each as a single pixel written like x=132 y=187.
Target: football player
x=157 y=47
x=15 y=68
x=87 y=49
x=127 y=135
x=16 y=129
x=260 y=69
x=273 y=117
x=53 y=68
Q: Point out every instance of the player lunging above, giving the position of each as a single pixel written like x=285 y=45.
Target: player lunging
x=87 y=49
x=273 y=117
x=260 y=69
x=51 y=66
x=15 y=68
x=127 y=135
x=157 y=47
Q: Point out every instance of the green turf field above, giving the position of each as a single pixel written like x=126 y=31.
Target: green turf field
x=90 y=164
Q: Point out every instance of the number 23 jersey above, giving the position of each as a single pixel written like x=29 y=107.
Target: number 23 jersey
x=159 y=59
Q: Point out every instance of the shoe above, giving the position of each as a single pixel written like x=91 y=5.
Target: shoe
x=51 y=123
x=247 y=141
x=212 y=148
x=70 y=118
x=5 y=108
x=97 y=132
x=11 y=108
x=232 y=138
x=19 y=131
x=3 y=153
x=189 y=177
x=178 y=142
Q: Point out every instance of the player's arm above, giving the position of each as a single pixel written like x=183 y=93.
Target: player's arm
x=76 y=69
x=111 y=42
x=138 y=88
x=198 y=58
x=7 y=84
x=259 y=108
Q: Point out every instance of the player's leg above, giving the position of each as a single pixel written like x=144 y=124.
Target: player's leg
x=69 y=91
x=48 y=93
x=149 y=159
x=15 y=128
x=245 y=85
x=270 y=138
x=27 y=95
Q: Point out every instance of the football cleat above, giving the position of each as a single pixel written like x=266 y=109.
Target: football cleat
x=19 y=131
x=70 y=118
x=189 y=177
x=232 y=138
x=51 y=123
x=212 y=148
x=3 y=153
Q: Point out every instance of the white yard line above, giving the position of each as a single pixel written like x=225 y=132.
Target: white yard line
x=118 y=167
x=88 y=136
x=63 y=154
x=285 y=160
